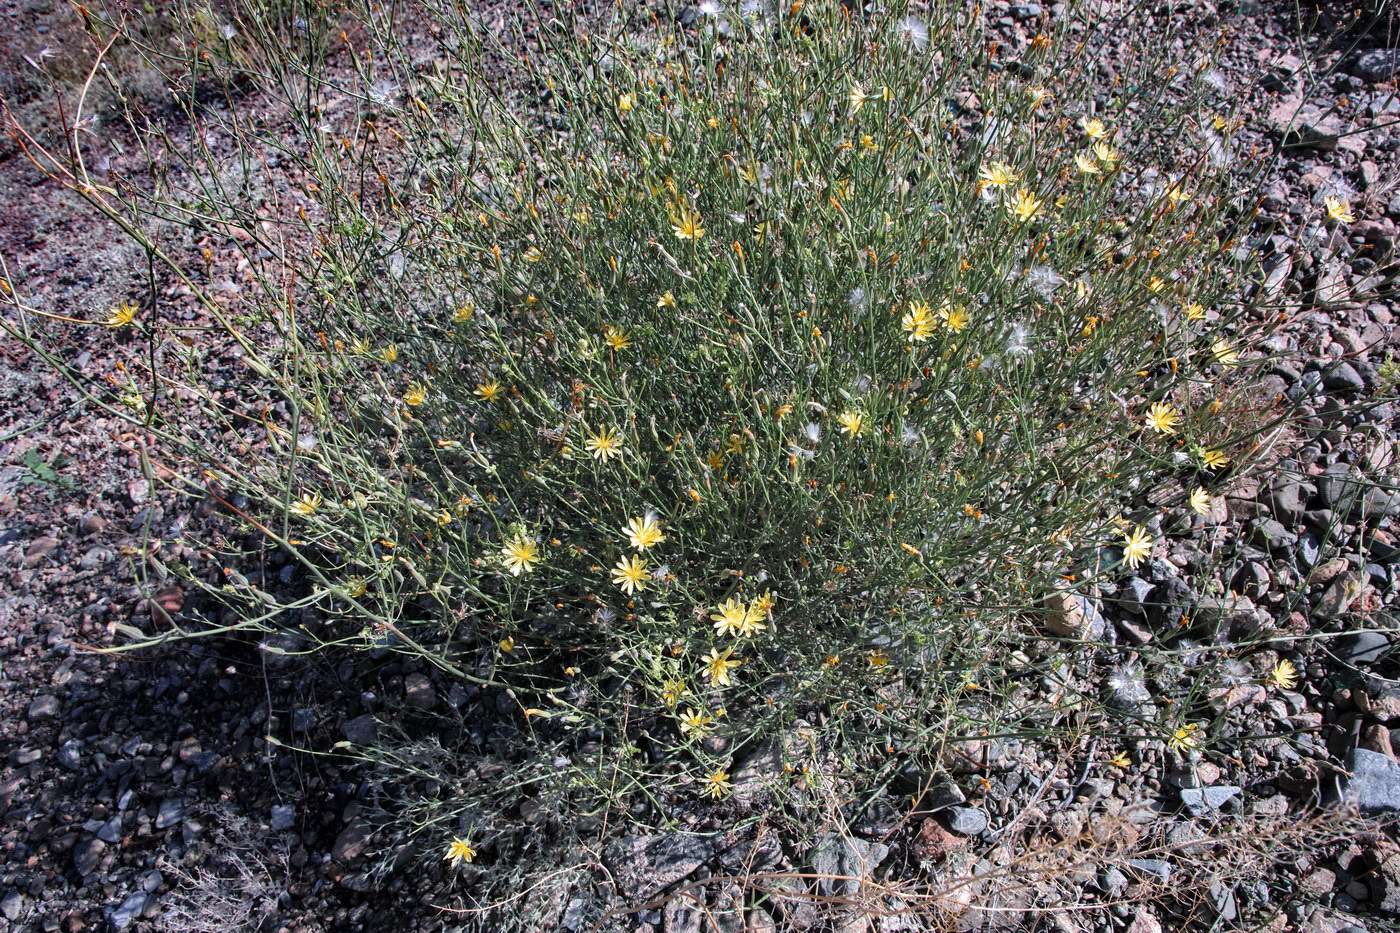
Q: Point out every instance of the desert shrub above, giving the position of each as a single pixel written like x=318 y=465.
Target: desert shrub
x=688 y=387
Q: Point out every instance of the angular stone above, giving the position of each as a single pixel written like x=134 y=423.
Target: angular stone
x=1374 y=783
x=1072 y=616
x=1201 y=801
x=967 y=821
x=644 y=865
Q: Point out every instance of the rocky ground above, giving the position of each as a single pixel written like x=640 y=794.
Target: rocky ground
x=138 y=792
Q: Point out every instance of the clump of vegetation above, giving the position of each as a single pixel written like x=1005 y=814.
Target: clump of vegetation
x=738 y=384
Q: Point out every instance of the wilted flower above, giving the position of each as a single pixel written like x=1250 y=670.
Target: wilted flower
x=914 y=31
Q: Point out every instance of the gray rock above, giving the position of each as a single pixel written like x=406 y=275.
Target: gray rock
x=70 y=754
x=43 y=707
x=1136 y=595
x=1338 y=596
x=843 y=864
x=418 y=691
x=87 y=854
x=1374 y=782
x=1200 y=801
x=1363 y=647
x=644 y=865
x=1339 y=484
x=110 y=832
x=128 y=911
x=942 y=795
x=11 y=906
x=1288 y=500
x=967 y=821
x=351 y=842
x=362 y=730
x=1112 y=881
x=171 y=812
x=1024 y=11
x=1073 y=616
x=1375 y=64
x=284 y=817
x=1343 y=377
x=1152 y=866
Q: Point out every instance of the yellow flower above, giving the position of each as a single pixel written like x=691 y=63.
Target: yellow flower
x=717 y=784
x=1193 y=312
x=444 y=518
x=852 y=422
x=868 y=144
x=1156 y=284
x=605 y=444
x=1284 y=675
x=856 y=98
x=998 y=175
x=389 y=354
x=532 y=254
x=464 y=314
x=1106 y=154
x=616 y=338
x=644 y=531
x=1163 y=417
x=672 y=691
x=415 y=395
x=625 y=103
x=763 y=604
x=1184 y=738
x=918 y=322
x=521 y=555
x=489 y=391
x=1136 y=546
x=667 y=300
x=685 y=223
x=955 y=316
x=1093 y=128
x=1086 y=164
x=1224 y=353
x=1199 y=501
x=1177 y=195
x=460 y=851
x=718 y=664
x=877 y=658
x=1213 y=458
x=1339 y=210
x=1025 y=205
x=630 y=574
x=783 y=411
x=307 y=504
x=122 y=315
x=507 y=644
x=696 y=723
x=729 y=617
x=1120 y=760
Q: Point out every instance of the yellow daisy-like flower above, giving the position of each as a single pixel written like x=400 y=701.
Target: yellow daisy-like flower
x=605 y=444
x=460 y=852
x=1185 y=738
x=685 y=224
x=1193 y=312
x=1199 y=501
x=667 y=300
x=307 y=504
x=1156 y=284
x=644 y=531
x=1093 y=128
x=625 y=103
x=1120 y=761
x=1213 y=458
x=717 y=785
x=696 y=723
x=729 y=617
x=1163 y=417
x=718 y=664
x=532 y=254
x=856 y=98
x=122 y=315
x=1339 y=210
x=672 y=691
x=520 y=555
x=1137 y=546
x=1284 y=675
x=1106 y=154
x=852 y=422
x=998 y=175
x=616 y=338
x=1086 y=164
x=489 y=391
x=389 y=354
x=918 y=322
x=415 y=395
x=877 y=658
x=1025 y=205
x=955 y=316
x=1224 y=353
x=630 y=574
x=464 y=314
